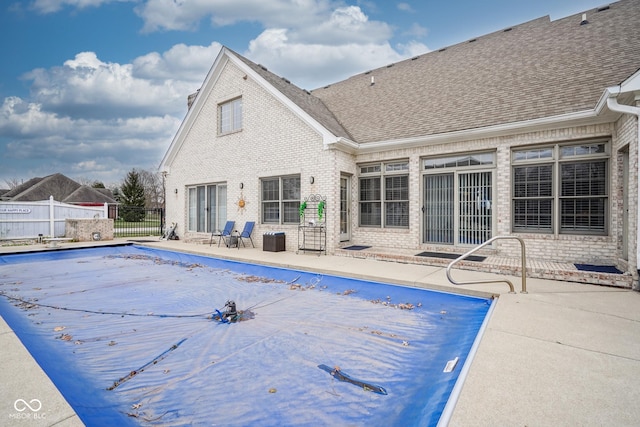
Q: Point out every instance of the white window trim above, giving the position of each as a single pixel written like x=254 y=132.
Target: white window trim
x=232 y=104
x=556 y=160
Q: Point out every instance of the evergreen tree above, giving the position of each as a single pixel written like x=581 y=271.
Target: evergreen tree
x=132 y=198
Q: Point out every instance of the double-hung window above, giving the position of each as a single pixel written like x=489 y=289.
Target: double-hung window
x=230 y=113
x=561 y=189
x=384 y=195
x=281 y=200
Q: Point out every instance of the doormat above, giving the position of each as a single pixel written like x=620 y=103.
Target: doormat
x=356 y=247
x=474 y=258
x=598 y=268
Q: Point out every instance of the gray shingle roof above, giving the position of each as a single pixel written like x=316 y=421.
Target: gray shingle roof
x=86 y=194
x=303 y=99
x=62 y=189
x=541 y=68
x=56 y=185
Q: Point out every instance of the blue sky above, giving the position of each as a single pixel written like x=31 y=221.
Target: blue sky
x=95 y=88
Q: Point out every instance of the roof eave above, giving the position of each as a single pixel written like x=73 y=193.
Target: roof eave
x=342 y=144
x=580 y=118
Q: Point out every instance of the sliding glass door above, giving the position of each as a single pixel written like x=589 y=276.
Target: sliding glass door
x=207 y=208
x=457 y=200
x=439 y=208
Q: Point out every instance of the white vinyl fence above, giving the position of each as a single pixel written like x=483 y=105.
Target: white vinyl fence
x=27 y=220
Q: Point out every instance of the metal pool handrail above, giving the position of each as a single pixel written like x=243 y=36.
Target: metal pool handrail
x=508 y=282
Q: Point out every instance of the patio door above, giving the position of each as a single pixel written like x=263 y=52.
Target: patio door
x=457 y=208
x=345 y=208
x=439 y=208
x=216 y=207
x=207 y=208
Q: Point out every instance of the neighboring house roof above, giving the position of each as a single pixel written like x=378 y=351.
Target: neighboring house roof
x=85 y=194
x=541 y=68
x=62 y=189
x=21 y=188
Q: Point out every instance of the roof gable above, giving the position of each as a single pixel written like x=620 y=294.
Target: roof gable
x=309 y=108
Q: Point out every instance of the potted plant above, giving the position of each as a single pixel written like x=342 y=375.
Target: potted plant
x=320 y=210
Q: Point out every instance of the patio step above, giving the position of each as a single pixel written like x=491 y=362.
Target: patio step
x=541 y=269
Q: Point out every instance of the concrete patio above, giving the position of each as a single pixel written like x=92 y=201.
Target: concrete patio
x=564 y=354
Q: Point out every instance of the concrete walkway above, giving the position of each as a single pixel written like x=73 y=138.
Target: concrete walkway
x=564 y=354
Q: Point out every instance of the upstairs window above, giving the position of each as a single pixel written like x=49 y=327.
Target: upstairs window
x=230 y=116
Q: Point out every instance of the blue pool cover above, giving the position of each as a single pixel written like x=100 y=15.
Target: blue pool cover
x=132 y=336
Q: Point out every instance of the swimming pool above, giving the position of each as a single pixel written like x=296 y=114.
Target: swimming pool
x=130 y=336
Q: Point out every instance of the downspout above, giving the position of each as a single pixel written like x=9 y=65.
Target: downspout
x=612 y=104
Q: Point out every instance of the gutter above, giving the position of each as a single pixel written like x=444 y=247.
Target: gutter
x=613 y=105
x=575 y=119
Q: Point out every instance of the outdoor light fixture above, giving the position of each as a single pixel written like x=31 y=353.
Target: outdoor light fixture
x=241 y=185
x=311 y=179
x=175 y=191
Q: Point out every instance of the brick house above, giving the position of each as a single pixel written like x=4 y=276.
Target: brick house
x=529 y=131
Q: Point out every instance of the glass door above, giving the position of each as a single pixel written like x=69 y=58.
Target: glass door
x=457 y=208
x=475 y=222
x=438 y=208
x=345 y=210
x=207 y=208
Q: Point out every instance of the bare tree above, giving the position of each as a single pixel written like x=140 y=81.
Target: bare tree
x=153 y=188
x=12 y=183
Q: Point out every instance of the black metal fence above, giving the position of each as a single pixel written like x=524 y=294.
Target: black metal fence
x=133 y=221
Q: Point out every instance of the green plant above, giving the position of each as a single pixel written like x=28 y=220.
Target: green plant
x=303 y=206
x=320 y=210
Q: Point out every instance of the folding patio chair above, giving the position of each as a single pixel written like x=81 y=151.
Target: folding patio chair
x=246 y=233
x=228 y=229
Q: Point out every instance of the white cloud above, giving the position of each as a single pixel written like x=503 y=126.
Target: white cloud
x=417 y=30
x=186 y=15
x=405 y=7
x=91 y=112
x=273 y=49
x=189 y=63
x=48 y=135
x=100 y=118
x=412 y=49
x=52 y=6
x=344 y=26
x=85 y=86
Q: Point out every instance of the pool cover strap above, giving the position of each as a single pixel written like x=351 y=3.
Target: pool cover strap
x=143 y=367
x=337 y=373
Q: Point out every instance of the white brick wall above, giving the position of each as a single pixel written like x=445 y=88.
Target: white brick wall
x=274 y=141
x=597 y=249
